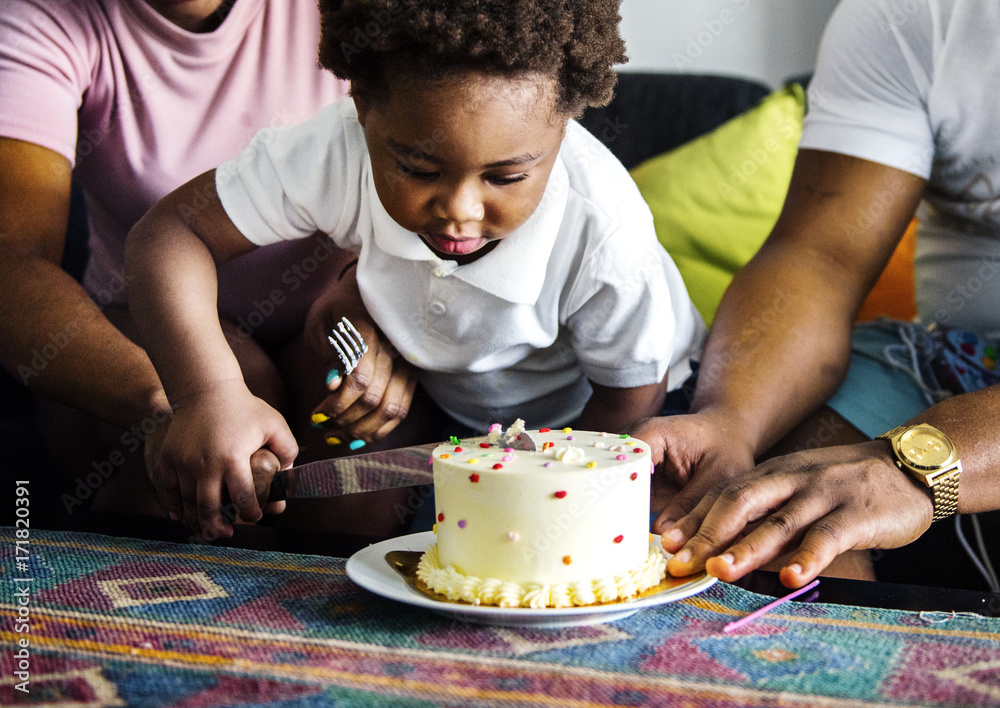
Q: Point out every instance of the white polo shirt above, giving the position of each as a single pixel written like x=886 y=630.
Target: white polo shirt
x=581 y=292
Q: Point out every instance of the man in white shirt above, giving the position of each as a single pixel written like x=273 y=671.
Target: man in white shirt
x=904 y=110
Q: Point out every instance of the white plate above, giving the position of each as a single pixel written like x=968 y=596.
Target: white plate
x=369 y=569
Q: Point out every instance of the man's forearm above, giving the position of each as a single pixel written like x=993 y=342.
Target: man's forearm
x=779 y=348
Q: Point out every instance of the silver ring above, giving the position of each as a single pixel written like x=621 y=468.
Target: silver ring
x=348 y=343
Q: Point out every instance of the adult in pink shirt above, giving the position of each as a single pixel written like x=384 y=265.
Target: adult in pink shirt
x=131 y=98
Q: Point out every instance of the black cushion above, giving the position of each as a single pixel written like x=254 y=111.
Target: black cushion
x=655 y=112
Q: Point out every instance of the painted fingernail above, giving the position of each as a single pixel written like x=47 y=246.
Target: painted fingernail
x=332 y=376
x=727 y=558
x=357 y=444
x=333 y=440
x=675 y=535
x=683 y=556
x=320 y=417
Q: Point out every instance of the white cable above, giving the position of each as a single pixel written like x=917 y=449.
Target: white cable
x=978 y=532
x=972 y=554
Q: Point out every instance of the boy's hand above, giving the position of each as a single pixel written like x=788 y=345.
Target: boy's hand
x=207 y=451
x=375 y=398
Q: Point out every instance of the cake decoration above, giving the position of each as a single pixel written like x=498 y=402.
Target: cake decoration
x=559 y=556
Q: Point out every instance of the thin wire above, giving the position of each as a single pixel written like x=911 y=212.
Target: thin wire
x=972 y=554
x=978 y=532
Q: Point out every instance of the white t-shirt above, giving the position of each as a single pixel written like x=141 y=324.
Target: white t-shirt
x=915 y=85
x=581 y=291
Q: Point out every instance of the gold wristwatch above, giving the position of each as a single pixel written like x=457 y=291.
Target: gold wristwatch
x=929 y=455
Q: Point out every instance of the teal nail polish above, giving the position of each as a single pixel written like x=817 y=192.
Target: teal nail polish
x=332 y=376
x=357 y=444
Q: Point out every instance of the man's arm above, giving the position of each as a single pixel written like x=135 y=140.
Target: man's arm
x=780 y=343
x=97 y=368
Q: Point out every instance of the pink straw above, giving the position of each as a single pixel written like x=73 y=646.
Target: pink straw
x=768 y=607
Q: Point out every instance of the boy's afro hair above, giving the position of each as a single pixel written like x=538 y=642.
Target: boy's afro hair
x=369 y=42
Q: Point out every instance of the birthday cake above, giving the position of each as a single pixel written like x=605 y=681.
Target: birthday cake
x=541 y=518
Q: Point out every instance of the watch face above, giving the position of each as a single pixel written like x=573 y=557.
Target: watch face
x=926 y=448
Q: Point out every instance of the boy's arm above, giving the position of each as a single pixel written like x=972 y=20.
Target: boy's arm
x=616 y=410
x=171 y=256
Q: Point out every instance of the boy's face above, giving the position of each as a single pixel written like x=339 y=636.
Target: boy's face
x=464 y=162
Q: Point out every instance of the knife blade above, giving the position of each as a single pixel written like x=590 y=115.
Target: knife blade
x=369 y=472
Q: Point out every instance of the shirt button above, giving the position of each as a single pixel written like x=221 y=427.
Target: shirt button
x=438 y=308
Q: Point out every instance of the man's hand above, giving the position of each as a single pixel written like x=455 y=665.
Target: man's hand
x=212 y=447
x=696 y=452
x=816 y=504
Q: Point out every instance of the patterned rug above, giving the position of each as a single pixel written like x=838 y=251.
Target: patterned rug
x=121 y=622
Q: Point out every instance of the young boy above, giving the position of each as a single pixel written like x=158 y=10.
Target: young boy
x=502 y=251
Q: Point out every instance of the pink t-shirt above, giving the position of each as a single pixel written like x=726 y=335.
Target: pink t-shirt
x=140 y=106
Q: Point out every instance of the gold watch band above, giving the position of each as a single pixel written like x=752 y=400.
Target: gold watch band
x=946 y=495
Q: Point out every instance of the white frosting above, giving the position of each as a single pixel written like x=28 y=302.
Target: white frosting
x=564 y=524
x=476 y=591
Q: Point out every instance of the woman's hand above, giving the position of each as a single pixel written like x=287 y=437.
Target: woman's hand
x=205 y=454
x=816 y=504
x=375 y=398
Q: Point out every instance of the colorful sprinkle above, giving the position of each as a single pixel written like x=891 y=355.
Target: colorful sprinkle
x=357 y=444
x=630 y=442
x=430 y=460
x=619 y=538
x=624 y=436
x=333 y=440
x=440 y=517
x=484 y=444
x=571 y=437
x=546 y=446
x=567 y=560
x=458 y=449
x=498 y=466
x=462 y=524
x=622 y=457
x=473 y=477
x=473 y=461
x=319 y=417
x=454 y=440
x=638 y=450
x=507 y=458
x=545 y=430
x=599 y=445
x=634 y=476
x=514 y=538
x=434 y=528
x=591 y=464
x=560 y=495
x=445 y=456
x=508 y=449
x=549 y=464
x=567 y=430
x=495 y=428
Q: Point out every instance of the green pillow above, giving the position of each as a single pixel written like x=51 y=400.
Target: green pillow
x=715 y=199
